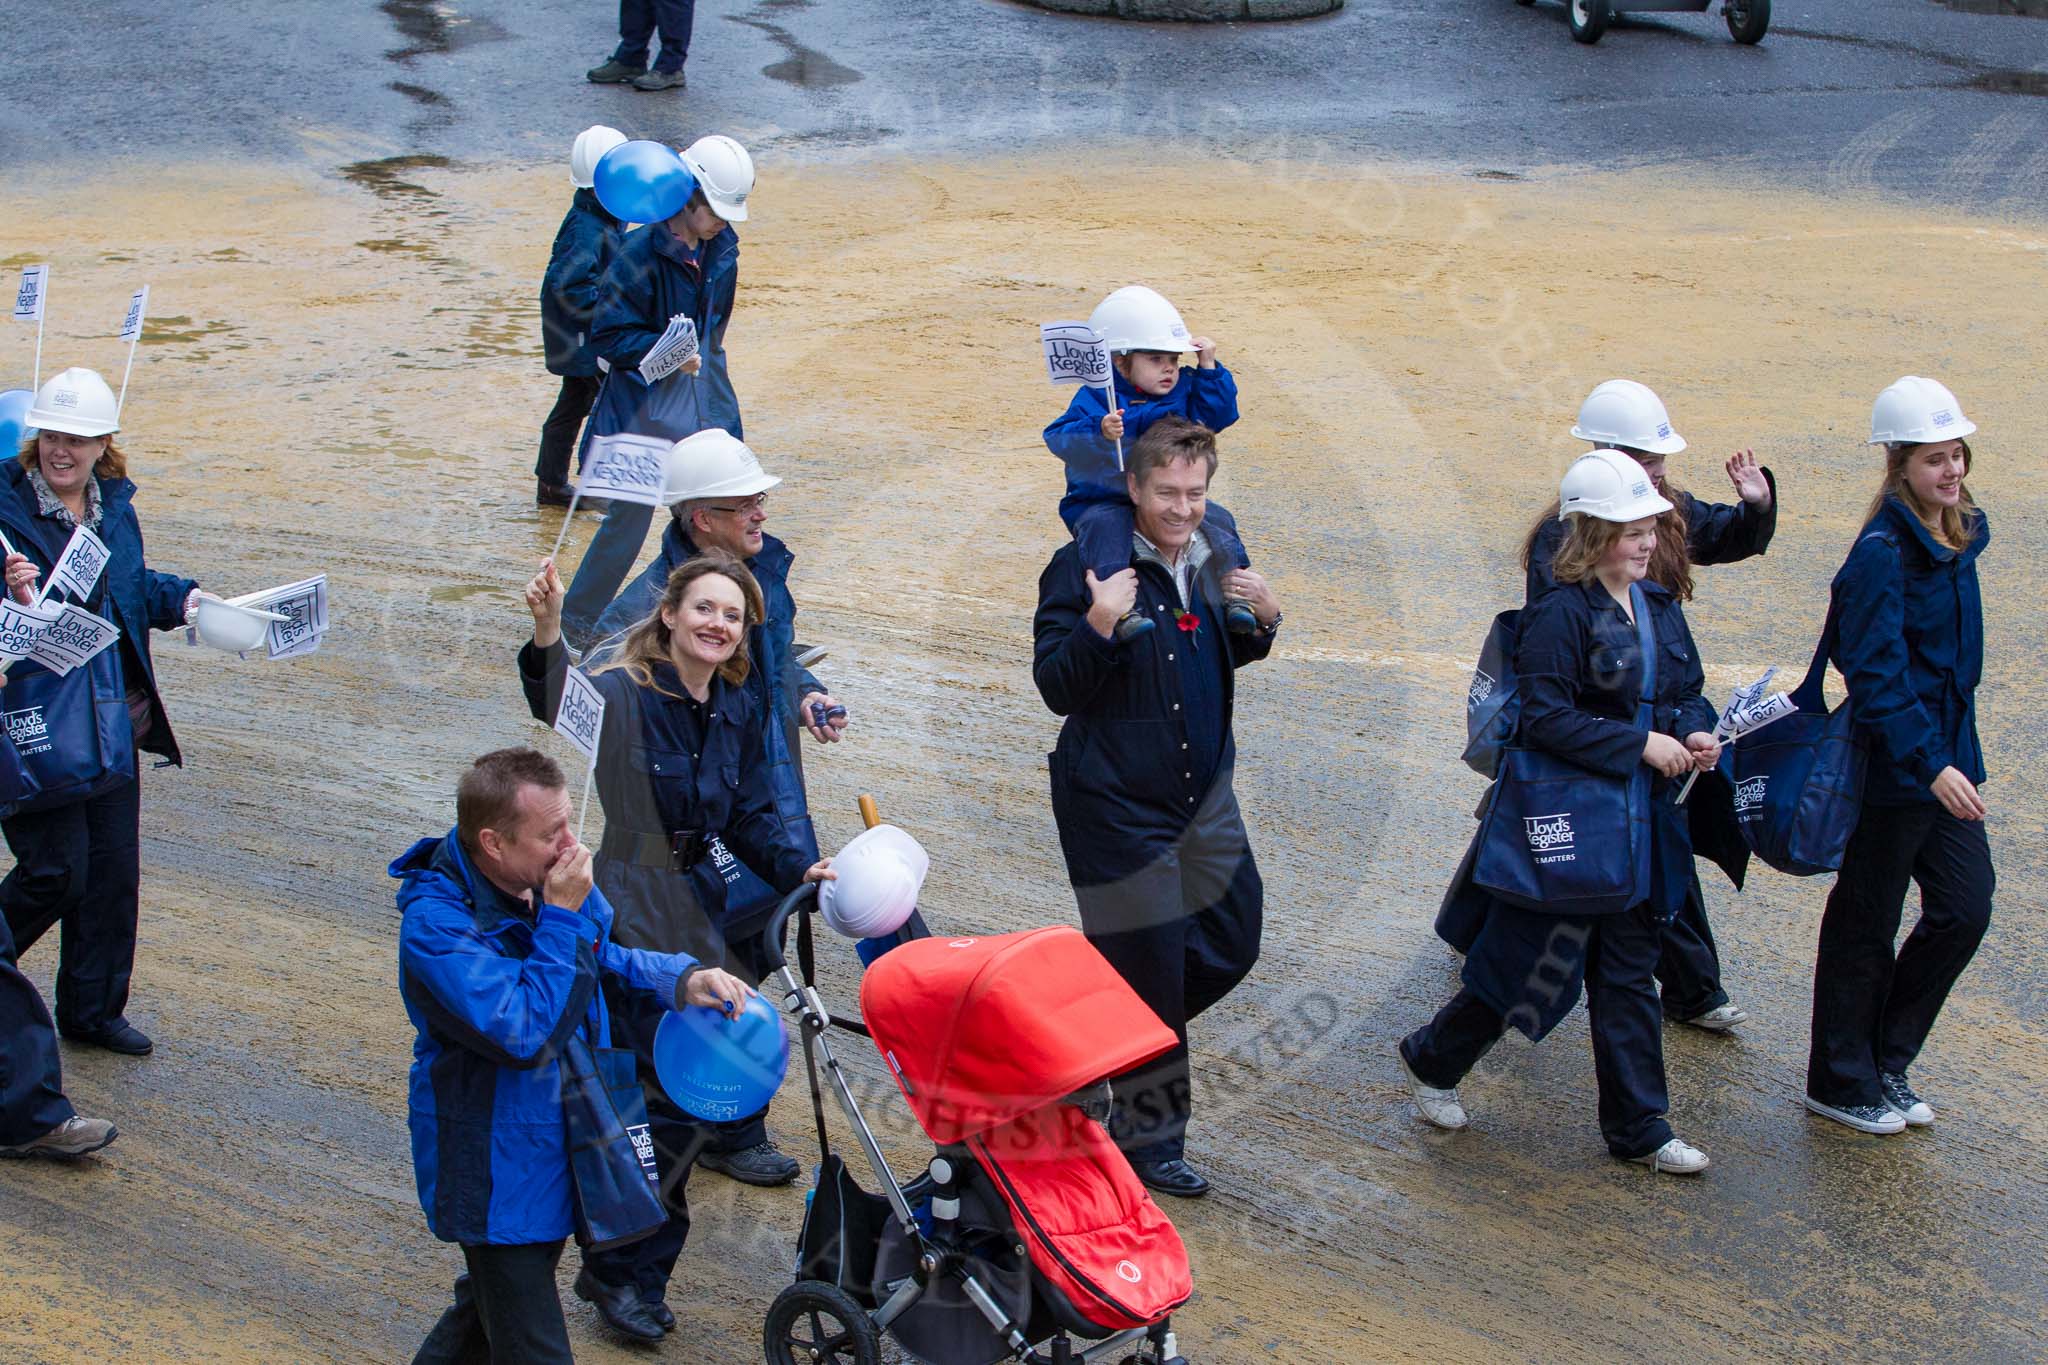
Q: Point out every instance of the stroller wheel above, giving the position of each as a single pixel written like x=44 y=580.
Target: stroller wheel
x=815 y=1323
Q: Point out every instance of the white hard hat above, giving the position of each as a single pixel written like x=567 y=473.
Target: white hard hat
x=591 y=145
x=1135 y=318
x=880 y=873
x=77 y=403
x=725 y=174
x=225 y=625
x=1912 y=411
x=1609 y=485
x=713 y=464
x=1622 y=412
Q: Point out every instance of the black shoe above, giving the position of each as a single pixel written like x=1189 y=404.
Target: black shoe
x=620 y=1307
x=663 y=1316
x=613 y=73
x=547 y=494
x=121 y=1036
x=761 y=1164
x=1175 y=1177
x=658 y=80
x=1131 y=625
x=1239 y=618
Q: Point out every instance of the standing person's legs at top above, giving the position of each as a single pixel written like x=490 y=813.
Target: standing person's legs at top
x=558 y=435
x=610 y=558
x=675 y=19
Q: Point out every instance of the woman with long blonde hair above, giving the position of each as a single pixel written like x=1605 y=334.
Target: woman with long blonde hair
x=681 y=763
x=1912 y=655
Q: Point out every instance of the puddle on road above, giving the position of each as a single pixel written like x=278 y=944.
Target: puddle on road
x=2011 y=83
x=385 y=177
x=804 y=67
x=434 y=28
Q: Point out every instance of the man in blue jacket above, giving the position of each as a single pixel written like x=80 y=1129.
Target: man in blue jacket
x=499 y=954
x=568 y=302
x=1155 y=845
x=686 y=266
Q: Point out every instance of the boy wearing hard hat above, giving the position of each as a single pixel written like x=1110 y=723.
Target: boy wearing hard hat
x=568 y=301
x=1146 y=339
x=688 y=266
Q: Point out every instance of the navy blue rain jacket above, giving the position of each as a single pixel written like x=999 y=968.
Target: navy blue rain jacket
x=568 y=292
x=776 y=681
x=1911 y=648
x=1120 y=772
x=132 y=595
x=494 y=995
x=650 y=279
x=1715 y=533
x=1205 y=396
x=652 y=782
x=1581 y=676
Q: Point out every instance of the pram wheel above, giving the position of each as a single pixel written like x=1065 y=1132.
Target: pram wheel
x=814 y=1323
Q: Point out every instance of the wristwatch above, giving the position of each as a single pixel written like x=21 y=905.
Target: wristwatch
x=1278 y=616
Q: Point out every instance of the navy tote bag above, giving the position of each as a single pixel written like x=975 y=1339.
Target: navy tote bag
x=1492 y=703
x=1799 y=781
x=72 y=733
x=1562 y=839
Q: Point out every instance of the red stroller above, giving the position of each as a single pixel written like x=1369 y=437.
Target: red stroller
x=1028 y=1229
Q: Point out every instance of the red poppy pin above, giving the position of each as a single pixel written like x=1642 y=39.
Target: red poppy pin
x=1188 y=621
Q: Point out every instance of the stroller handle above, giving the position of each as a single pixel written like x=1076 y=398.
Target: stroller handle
x=771 y=936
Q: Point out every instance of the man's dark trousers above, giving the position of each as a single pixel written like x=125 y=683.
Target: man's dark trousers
x=1182 y=931
x=506 y=1311
x=31 y=1088
x=564 y=422
x=637 y=21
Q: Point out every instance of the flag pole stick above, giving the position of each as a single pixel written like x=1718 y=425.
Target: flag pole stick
x=36 y=379
x=584 y=814
x=122 y=402
x=1109 y=395
x=563 y=534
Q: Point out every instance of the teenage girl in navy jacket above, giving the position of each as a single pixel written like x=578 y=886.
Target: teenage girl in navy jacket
x=1912 y=652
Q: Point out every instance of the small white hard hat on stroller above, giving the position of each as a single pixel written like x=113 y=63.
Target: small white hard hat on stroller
x=881 y=871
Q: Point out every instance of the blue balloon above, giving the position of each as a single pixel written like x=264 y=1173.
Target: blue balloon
x=643 y=182
x=717 y=1068
x=14 y=406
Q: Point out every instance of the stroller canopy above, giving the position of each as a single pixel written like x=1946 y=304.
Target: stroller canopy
x=980 y=1031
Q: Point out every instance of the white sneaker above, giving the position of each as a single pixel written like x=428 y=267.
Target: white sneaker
x=1437 y=1107
x=1864 y=1118
x=1719 y=1019
x=1917 y=1113
x=1674 y=1158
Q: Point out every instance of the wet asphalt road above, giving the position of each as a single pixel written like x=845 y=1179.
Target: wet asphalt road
x=1843 y=94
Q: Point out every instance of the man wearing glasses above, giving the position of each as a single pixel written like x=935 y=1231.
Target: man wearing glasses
x=718 y=500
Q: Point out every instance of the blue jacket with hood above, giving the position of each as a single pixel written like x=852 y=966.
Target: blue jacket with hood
x=494 y=991
x=568 y=292
x=1910 y=645
x=652 y=278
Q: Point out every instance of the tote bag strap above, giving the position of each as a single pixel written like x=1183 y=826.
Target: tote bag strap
x=1646 y=640
x=1809 y=695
